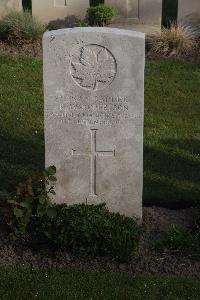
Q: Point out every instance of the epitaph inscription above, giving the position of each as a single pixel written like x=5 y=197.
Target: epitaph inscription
x=93 y=67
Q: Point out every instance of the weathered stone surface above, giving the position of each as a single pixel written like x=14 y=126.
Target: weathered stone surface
x=9 y=5
x=138 y=11
x=189 y=12
x=94 y=97
x=51 y=10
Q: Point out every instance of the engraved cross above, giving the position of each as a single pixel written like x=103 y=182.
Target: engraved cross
x=93 y=154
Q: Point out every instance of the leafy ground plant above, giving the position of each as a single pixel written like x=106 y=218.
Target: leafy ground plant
x=181 y=240
x=31 y=200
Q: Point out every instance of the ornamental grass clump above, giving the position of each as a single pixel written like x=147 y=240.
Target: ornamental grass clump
x=175 y=41
x=20 y=26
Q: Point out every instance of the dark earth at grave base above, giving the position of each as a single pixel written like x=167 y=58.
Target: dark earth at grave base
x=155 y=222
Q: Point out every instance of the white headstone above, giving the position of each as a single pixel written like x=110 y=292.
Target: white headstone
x=58 y=10
x=94 y=99
x=189 y=13
x=138 y=11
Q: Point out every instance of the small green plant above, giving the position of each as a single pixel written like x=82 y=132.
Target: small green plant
x=32 y=200
x=177 y=238
x=18 y=26
x=196 y=231
x=82 y=23
x=90 y=230
x=176 y=41
x=180 y=240
x=100 y=15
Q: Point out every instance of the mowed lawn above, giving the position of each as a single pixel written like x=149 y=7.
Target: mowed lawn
x=171 y=133
x=23 y=284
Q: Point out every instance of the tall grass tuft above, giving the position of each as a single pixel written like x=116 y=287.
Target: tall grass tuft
x=175 y=41
x=18 y=26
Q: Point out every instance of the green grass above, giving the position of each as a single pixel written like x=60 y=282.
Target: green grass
x=172 y=128
x=21 y=120
x=19 y=284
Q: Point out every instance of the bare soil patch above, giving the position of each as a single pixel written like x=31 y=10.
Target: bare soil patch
x=32 y=49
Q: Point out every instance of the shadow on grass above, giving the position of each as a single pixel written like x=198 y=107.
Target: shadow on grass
x=172 y=174
x=19 y=159
x=192 y=146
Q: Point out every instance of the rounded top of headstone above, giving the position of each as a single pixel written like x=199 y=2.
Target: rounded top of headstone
x=103 y=30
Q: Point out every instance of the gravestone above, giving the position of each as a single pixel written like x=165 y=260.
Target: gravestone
x=94 y=98
x=138 y=11
x=189 y=13
x=58 y=10
x=6 y=6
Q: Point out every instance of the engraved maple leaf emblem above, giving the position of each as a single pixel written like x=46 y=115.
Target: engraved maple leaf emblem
x=95 y=67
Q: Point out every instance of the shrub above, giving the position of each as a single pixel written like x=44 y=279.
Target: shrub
x=100 y=15
x=177 y=40
x=90 y=229
x=17 y=26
